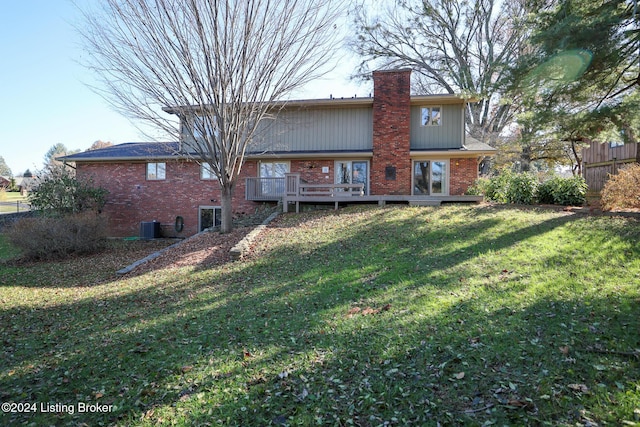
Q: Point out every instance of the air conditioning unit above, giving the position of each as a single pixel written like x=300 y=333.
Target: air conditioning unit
x=149 y=230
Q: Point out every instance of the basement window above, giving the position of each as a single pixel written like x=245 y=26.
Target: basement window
x=156 y=171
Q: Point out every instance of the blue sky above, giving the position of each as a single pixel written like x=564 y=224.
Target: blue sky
x=44 y=95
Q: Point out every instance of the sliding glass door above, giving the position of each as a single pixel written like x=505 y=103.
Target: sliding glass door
x=430 y=177
x=352 y=172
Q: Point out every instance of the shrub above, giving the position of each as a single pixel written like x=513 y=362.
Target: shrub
x=61 y=193
x=495 y=188
x=563 y=191
x=622 y=191
x=546 y=189
x=42 y=238
x=479 y=187
x=522 y=188
x=507 y=188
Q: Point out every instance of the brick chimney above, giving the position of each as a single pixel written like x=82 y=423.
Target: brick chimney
x=391 y=164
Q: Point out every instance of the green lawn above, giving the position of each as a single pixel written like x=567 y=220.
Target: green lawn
x=8 y=200
x=460 y=315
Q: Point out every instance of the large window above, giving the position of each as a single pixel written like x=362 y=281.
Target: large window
x=156 y=171
x=430 y=177
x=430 y=116
x=352 y=172
x=209 y=217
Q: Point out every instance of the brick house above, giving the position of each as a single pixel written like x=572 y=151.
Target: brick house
x=392 y=147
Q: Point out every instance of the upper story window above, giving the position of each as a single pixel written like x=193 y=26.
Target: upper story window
x=430 y=116
x=156 y=171
x=198 y=127
x=206 y=172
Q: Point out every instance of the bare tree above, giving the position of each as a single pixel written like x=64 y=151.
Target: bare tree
x=218 y=65
x=453 y=46
x=99 y=144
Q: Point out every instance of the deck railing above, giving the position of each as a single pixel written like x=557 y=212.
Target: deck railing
x=290 y=186
x=264 y=189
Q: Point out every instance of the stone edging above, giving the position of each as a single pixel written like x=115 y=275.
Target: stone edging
x=243 y=245
x=236 y=252
x=154 y=255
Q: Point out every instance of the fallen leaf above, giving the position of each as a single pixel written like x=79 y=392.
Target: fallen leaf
x=518 y=403
x=564 y=349
x=459 y=375
x=186 y=368
x=580 y=388
x=369 y=310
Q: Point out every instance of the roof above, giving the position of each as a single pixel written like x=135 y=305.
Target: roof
x=472 y=144
x=145 y=151
x=440 y=99
x=129 y=151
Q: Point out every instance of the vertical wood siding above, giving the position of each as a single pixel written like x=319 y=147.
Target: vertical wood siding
x=316 y=130
x=447 y=135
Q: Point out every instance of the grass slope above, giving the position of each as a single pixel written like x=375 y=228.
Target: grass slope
x=460 y=315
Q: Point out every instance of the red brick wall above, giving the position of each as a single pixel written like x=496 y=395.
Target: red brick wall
x=391 y=132
x=311 y=171
x=132 y=198
x=464 y=172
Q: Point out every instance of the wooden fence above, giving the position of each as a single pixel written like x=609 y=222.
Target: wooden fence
x=601 y=160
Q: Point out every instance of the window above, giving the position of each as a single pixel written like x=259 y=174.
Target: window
x=156 y=171
x=430 y=177
x=197 y=127
x=430 y=116
x=273 y=169
x=209 y=217
x=352 y=172
x=206 y=172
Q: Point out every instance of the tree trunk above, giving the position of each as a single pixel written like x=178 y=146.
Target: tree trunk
x=226 y=205
x=525 y=158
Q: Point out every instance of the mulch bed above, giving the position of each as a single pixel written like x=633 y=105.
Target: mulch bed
x=204 y=250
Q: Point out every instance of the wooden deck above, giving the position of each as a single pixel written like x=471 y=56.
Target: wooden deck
x=291 y=191
x=379 y=199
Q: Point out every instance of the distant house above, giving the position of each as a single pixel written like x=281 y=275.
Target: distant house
x=25 y=184
x=392 y=147
x=601 y=160
x=5 y=182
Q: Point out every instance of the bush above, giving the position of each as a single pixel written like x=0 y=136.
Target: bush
x=42 y=238
x=546 y=190
x=522 y=188
x=622 y=191
x=507 y=188
x=60 y=193
x=563 y=191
